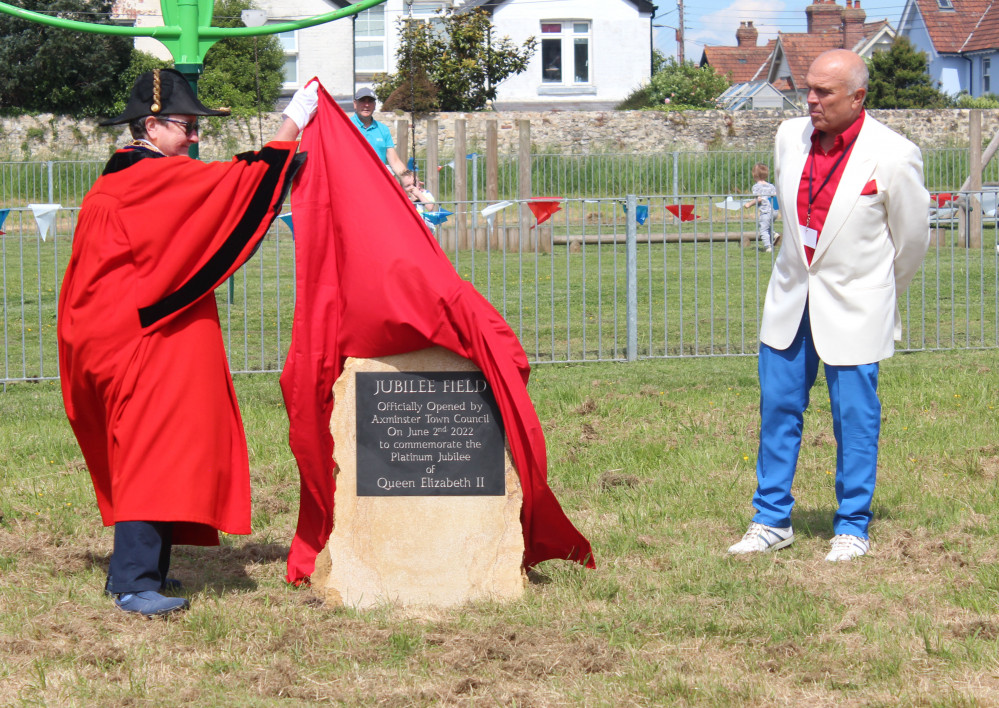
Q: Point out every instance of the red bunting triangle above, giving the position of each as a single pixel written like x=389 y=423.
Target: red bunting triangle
x=544 y=207
x=684 y=212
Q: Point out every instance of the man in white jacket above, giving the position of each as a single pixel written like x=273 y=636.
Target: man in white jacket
x=855 y=236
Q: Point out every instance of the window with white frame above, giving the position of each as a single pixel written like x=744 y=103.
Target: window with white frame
x=289 y=44
x=427 y=9
x=369 y=40
x=986 y=75
x=565 y=52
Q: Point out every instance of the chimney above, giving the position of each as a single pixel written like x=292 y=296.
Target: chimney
x=853 y=24
x=746 y=35
x=824 y=16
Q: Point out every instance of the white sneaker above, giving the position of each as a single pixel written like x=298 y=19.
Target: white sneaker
x=846 y=547
x=760 y=538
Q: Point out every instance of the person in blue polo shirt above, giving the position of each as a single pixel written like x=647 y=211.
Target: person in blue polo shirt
x=377 y=134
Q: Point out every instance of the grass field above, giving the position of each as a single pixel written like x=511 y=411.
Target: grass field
x=653 y=461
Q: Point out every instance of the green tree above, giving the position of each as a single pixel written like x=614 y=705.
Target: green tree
x=459 y=56
x=682 y=87
x=676 y=87
x=899 y=79
x=48 y=69
x=232 y=69
x=140 y=63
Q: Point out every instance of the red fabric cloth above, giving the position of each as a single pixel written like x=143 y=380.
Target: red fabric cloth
x=684 y=212
x=942 y=198
x=372 y=281
x=870 y=188
x=824 y=162
x=145 y=379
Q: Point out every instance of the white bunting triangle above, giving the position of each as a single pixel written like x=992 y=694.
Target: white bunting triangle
x=489 y=213
x=45 y=215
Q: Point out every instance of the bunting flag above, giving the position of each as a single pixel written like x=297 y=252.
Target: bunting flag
x=732 y=204
x=45 y=216
x=374 y=282
x=683 y=212
x=437 y=217
x=543 y=208
x=286 y=218
x=641 y=212
x=942 y=198
x=490 y=212
x=3 y=218
x=411 y=165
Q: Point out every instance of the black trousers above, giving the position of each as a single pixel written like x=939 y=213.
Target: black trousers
x=141 y=556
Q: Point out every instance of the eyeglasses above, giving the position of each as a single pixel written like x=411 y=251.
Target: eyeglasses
x=190 y=127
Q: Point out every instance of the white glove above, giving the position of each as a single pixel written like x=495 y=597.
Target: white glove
x=303 y=105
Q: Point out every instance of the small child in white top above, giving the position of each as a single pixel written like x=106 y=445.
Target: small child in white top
x=763 y=191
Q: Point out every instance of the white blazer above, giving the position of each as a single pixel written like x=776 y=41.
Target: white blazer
x=869 y=249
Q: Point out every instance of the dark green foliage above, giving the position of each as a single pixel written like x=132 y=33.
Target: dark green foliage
x=459 y=56
x=230 y=74
x=48 y=69
x=677 y=87
x=899 y=79
x=413 y=93
x=140 y=64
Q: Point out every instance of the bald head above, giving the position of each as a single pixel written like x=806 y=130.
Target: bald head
x=837 y=87
x=847 y=64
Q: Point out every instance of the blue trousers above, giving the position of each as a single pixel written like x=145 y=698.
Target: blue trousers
x=786 y=377
x=141 y=556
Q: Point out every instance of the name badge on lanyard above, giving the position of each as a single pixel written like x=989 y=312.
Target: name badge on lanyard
x=809 y=236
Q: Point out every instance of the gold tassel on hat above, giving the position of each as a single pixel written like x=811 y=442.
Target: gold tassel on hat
x=155 y=108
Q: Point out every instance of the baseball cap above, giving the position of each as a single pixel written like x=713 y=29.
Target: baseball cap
x=364 y=93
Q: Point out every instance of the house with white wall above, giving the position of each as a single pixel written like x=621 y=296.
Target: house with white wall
x=961 y=40
x=591 y=53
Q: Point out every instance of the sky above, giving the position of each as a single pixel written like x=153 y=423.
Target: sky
x=714 y=22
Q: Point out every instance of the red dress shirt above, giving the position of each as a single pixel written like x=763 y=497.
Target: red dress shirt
x=818 y=167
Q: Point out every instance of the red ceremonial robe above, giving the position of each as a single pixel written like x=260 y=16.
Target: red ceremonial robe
x=144 y=373
x=371 y=281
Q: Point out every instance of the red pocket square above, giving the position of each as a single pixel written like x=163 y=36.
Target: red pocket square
x=870 y=188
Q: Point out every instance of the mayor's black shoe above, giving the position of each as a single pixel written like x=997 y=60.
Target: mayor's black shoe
x=149 y=603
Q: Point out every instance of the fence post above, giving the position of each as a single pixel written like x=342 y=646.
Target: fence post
x=431 y=175
x=974 y=239
x=51 y=184
x=401 y=141
x=524 y=176
x=492 y=162
x=460 y=184
x=676 y=175
x=631 y=276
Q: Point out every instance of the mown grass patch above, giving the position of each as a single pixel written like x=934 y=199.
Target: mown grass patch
x=654 y=463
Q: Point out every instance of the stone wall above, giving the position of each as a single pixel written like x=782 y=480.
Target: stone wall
x=48 y=137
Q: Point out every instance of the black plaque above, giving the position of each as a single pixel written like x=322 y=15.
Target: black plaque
x=428 y=434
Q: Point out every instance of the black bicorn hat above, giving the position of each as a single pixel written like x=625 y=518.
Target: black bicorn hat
x=162 y=92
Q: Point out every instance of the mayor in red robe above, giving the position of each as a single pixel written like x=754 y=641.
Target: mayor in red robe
x=145 y=379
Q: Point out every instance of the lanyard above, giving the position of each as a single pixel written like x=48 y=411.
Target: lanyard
x=811 y=174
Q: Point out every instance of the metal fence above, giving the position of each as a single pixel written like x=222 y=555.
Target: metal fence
x=565 y=175
x=603 y=279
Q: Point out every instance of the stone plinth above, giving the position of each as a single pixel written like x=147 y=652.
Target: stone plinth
x=415 y=551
